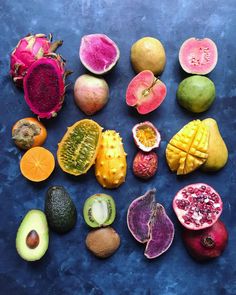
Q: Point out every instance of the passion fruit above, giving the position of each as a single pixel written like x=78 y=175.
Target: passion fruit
x=99 y=210
x=146 y=136
x=145 y=164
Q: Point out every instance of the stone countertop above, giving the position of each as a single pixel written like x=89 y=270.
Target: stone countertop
x=68 y=268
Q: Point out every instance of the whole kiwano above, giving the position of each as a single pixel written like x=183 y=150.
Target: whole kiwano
x=208 y=243
x=197 y=206
x=145 y=164
x=27 y=51
x=198 y=56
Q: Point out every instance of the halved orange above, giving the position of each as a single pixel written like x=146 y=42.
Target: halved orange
x=37 y=164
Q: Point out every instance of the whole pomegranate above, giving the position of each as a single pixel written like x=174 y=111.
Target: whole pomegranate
x=197 y=206
x=145 y=164
x=207 y=243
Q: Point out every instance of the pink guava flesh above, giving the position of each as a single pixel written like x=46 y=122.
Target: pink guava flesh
x=162 y=233
x=44 y=87
x=198 y=56
x=145 y=92
x=138 y=217
x=98 y=53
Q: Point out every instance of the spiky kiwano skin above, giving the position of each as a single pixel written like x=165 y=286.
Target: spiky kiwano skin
x=44 y=86
x=27 y=51
x=78 y=148
x=110 y=166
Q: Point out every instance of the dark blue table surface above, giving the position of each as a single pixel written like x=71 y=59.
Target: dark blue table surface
x=68 y=268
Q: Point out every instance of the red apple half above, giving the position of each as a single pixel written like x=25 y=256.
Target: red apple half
x=145 y=92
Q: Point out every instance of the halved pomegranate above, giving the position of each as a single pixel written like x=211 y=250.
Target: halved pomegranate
x=197 y=206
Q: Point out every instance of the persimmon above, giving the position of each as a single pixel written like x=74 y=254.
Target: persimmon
x=28 y=133
x=37 y=164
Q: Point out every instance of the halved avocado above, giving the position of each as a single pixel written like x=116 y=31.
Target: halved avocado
x=32 y=237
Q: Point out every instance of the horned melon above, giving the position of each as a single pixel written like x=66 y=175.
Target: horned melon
x=110 y=165
x=188 y=149
x=78 y=148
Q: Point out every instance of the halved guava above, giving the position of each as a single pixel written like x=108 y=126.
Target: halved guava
x=98 y=53
x=198 y=56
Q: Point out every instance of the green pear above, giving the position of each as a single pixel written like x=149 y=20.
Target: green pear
x=217 y=149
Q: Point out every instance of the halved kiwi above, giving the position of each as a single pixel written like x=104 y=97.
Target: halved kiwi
x=99 y=210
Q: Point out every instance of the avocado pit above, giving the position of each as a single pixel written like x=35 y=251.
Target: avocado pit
x=32 y=239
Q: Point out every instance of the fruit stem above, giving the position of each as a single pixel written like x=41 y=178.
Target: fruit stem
x=55 y=45
x=146 y=91
x=207 y=242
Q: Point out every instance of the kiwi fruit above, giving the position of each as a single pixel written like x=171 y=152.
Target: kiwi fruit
x=99 y=210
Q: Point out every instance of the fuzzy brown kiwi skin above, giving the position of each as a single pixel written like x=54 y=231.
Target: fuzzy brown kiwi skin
x=87 y=211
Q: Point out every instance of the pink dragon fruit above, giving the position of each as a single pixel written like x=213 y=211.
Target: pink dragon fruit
x=28 y=50
x=44 y=85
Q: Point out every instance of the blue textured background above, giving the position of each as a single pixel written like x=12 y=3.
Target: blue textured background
x=68 y=268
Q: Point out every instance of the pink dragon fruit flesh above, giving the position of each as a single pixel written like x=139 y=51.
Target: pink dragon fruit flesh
x=27 y=51
x=44 y=85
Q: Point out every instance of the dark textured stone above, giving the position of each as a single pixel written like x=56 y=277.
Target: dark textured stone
x=68 y=268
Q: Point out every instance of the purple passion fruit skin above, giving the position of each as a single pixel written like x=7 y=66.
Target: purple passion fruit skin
x=198 y=56
x=98 y=53
x=149 y=223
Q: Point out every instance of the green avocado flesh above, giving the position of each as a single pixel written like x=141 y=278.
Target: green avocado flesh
x=196 y=93
x=32 y=237
x=99 y=210
x=60 y=210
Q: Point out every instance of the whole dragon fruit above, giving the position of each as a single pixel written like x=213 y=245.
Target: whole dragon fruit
x=27 y=51
x=44 y=85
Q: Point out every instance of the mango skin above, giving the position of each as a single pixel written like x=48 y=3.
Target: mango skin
x=217 y=149
x=111 y=165
x=196 y=93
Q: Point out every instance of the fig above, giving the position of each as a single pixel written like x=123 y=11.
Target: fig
x=148 y=223
x=146 y=136
x=197 y=206
x=208 y=243
x=145 y=164
x=145 y=92
x=98 y=53
x=196 y=93
x=90 y=93
x=198 y=56
x=103 y=242
x=148 y=54
x=99 y=210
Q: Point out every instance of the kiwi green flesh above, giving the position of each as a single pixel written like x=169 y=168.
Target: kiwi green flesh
x=99 y=210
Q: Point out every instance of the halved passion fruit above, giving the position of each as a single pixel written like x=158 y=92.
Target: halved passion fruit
x=146 y=136
x=78 y=148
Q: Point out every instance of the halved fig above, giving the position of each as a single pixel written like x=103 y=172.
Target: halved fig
x=145 y=92
x=197 y=206
x=146 y=136
x=98 y=53
x=149 y=223
x=198 y=56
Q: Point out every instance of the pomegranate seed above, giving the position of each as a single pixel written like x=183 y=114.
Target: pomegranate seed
x=190 y=189
x=203 y=187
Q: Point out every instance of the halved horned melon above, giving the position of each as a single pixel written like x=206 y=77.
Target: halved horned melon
x=78 y=148
x=188 y=149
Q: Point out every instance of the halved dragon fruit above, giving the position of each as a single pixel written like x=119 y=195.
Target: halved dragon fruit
x=149 y=223
x=44 y=85
x=98 y=53
x=27 y=51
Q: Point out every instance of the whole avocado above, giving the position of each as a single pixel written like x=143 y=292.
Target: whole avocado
x=60 y=210
x=196 y=93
